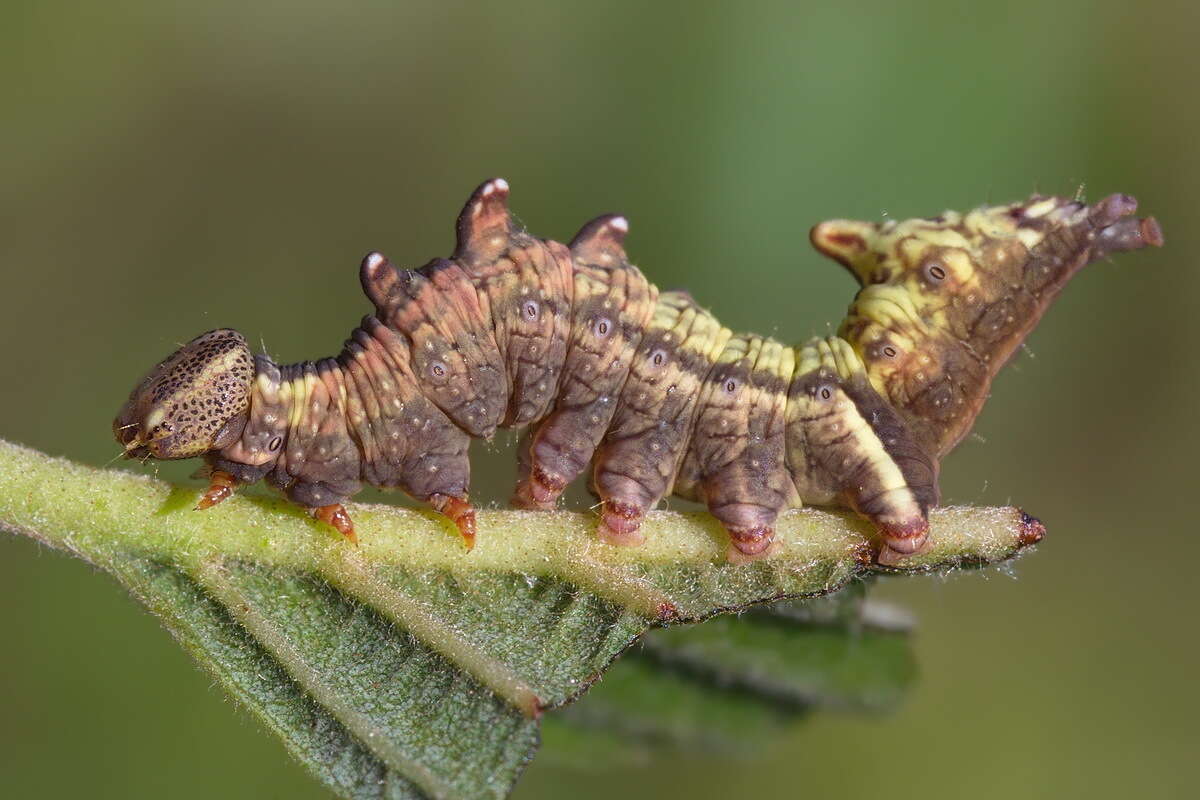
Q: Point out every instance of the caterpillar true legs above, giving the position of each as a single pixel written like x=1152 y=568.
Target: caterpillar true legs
x=648 y=387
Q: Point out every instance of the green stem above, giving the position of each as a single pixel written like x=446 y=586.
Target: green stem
x=91 y=512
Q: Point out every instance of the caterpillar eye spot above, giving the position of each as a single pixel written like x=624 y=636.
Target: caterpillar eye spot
x=275 y=444
x=658 y=358
x=531 y=310
x=602 y=327
x=889 y=351
x=731 y=386
x=437 y=369
x=825 y=393
x=935 y=272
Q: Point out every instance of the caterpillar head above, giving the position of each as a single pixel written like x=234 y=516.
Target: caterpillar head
x=192 y=402
x=946 y=301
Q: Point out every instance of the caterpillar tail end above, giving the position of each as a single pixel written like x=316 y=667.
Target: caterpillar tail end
x=336 y=516
x=221 y=487
x=459 y=511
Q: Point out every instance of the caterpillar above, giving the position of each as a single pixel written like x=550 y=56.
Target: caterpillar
x=573 y=343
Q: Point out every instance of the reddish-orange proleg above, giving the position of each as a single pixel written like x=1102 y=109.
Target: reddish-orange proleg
x=337 y=516
x=221 y=486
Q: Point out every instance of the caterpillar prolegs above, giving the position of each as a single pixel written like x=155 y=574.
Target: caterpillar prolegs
x=574 y=343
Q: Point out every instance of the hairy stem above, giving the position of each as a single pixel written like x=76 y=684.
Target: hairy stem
x=92 y=512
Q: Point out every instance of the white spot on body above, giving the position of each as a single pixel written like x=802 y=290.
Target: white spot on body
x=375 y=261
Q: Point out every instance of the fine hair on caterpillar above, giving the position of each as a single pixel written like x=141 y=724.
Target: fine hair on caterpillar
x=572 y=343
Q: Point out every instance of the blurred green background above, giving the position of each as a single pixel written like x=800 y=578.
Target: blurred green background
x=173 y=167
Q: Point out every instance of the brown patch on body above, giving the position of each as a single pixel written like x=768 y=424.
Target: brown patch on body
x=526 y=286
x=452 y=349
x=735 y=460
x=636 y=464
x=613 y=303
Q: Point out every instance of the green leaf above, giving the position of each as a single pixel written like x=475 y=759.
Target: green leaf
x=732 y=685
x=408 y=667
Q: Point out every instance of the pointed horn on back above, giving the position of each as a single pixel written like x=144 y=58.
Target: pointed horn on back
x=484 y=226
x=848 y=242
x=379 y=279
x=601 y=241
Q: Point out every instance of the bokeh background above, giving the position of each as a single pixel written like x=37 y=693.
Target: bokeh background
x=172 y=167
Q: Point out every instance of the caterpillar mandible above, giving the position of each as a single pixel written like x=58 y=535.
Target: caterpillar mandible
x=648 y=387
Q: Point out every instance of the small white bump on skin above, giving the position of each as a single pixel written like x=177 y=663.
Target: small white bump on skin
x=375 y=261
x=619 y=223
x=595 y=419
x=315 y=429
x=433 y=467
x=541 y=387
x=396 y=402
x=415 y=421
x=607 y=305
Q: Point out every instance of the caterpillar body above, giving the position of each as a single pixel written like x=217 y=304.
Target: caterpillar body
x=648 y=387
